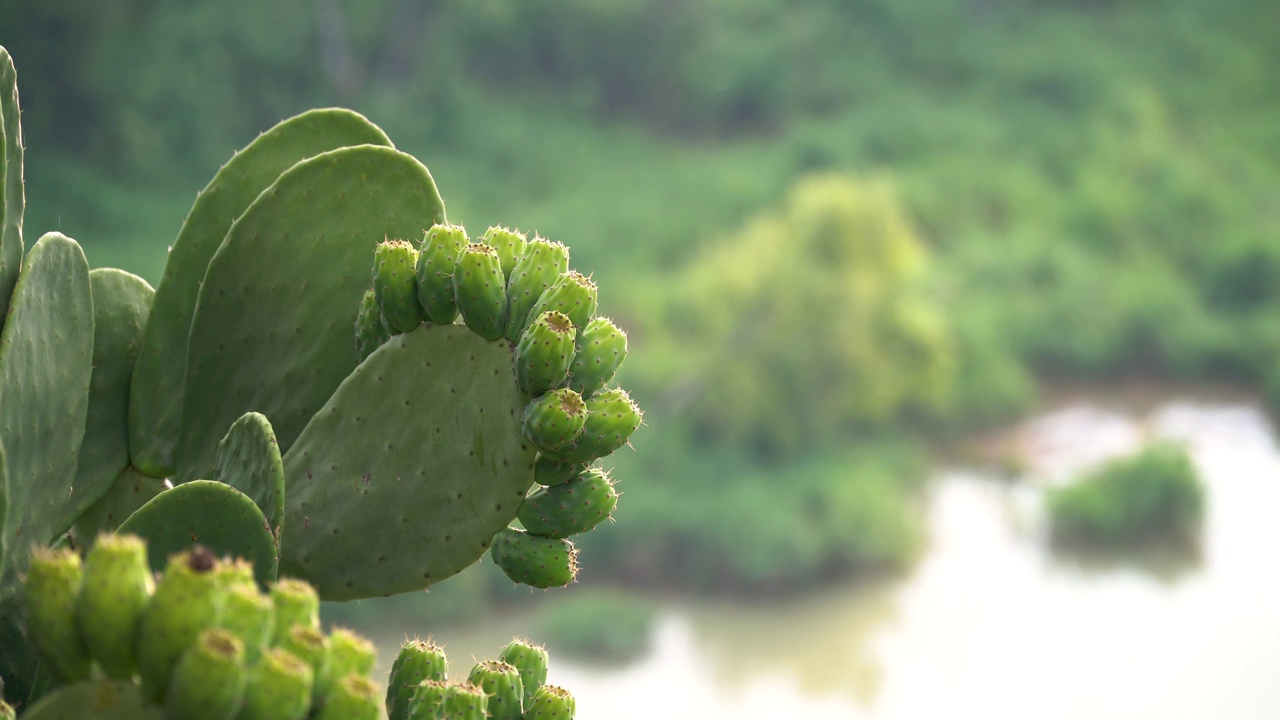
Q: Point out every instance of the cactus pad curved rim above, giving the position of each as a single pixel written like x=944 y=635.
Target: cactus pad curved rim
x=95 y=700
x=12 y=192
x=128 y=492
x=156 y=395
x=249 y=461
x=208 y=513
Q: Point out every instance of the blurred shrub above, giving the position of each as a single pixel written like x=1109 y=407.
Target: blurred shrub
x=1155 y=494
x=597 y=624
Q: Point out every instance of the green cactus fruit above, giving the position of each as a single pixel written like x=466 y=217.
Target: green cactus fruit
x=601 y=348
x=369 y=519
x=156 y=395
x=95 y=700
x=551 y=703
x=544 y=353
x=533 y=560
x=208 y=682
x=572 y=294
x=611 y=419
x=348 y=654
x=464 y=701
x=310 y=646
x=46 y=360
x=549 y=472
x=427 y=701
x=542 y=262
x=208 y=513
x=371 y=331
x=501 y=682
x=296 y=604
x=395 y=285
x=249 y=460
x=417 y=661
x=354 y=697
x=436 y=259
x=249 y=615
x=571 y=508
x=53 y=581
x=188 y=600
x=479 y=290
x=117 y=587
x=530 y=661
x=291 y=263
x=12 y=196
x=234 y=573
x=555 y=419
x=278 y=688
x=127 y=493
x=121 y=303
x=510 y=245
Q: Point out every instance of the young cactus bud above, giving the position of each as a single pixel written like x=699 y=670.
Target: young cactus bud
x=543 y=261
x=354 y=697
x=418 y=661
x=600 y=350
x=208 y=682
x=371 y=333
x=550 y=472
x=502 y=683
x=117 y=588
x=348 y=654
x=555 y=419
x=250 y=616
x=464 y=701
x=53 y=581
x=436 y=260
x=510 y=245
x=533 y=560
x=278 y=688
x=611 y=419
x=311 y=647
x=296 y=603
x=395 y=285
x=188 y=600
x=428 y=700
x=479 y=291
x=574 y=507
x=531 y=662
x=544 y=353
x=572 y=294
x=552 y=703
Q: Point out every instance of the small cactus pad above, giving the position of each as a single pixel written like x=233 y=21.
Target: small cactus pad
x=417 y=661
x=371 y=331
x=278 y=688
x=46 y=360
x=117 y=588
x=249 y=461
x=250 y=616
x=571 y=508
x=501 y=682
x=509 y=244
x=531 y=662
x=189 y=599
x=208 y=513
x=355 y=697
x=611 y=419
x=421 y=502
x=551 y=702
x=436 y=259
x=543 y=261
x=53 y=581
x=296 y=605
x=208 y=682
x=12 y=195
x=549 y=472
x=130 y=491
x=555 y=419
x=296 y=262
x=95 y=700
x=395 y=285
x=545 y=352
x=533 y=560
x=156 y=395
x=121 y=303
x=601 y=348
x=479 y=290
x=572 y=294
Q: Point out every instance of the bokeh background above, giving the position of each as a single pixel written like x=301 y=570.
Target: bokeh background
x=957 y=322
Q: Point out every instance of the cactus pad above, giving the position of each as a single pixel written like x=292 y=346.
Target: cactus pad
x=297 y=262
x=423 y=500
x=249 y=461
x=130 y=491
x=574 y=507
x=95 y=700
x=533 y=560
x=208 y=513
x=12 y=195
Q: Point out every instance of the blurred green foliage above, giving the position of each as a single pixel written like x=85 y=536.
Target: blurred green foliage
x=598 y=624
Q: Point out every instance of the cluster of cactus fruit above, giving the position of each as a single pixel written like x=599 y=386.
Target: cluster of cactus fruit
x=230 y=407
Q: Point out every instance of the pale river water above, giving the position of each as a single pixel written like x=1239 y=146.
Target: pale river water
x=989 y=624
